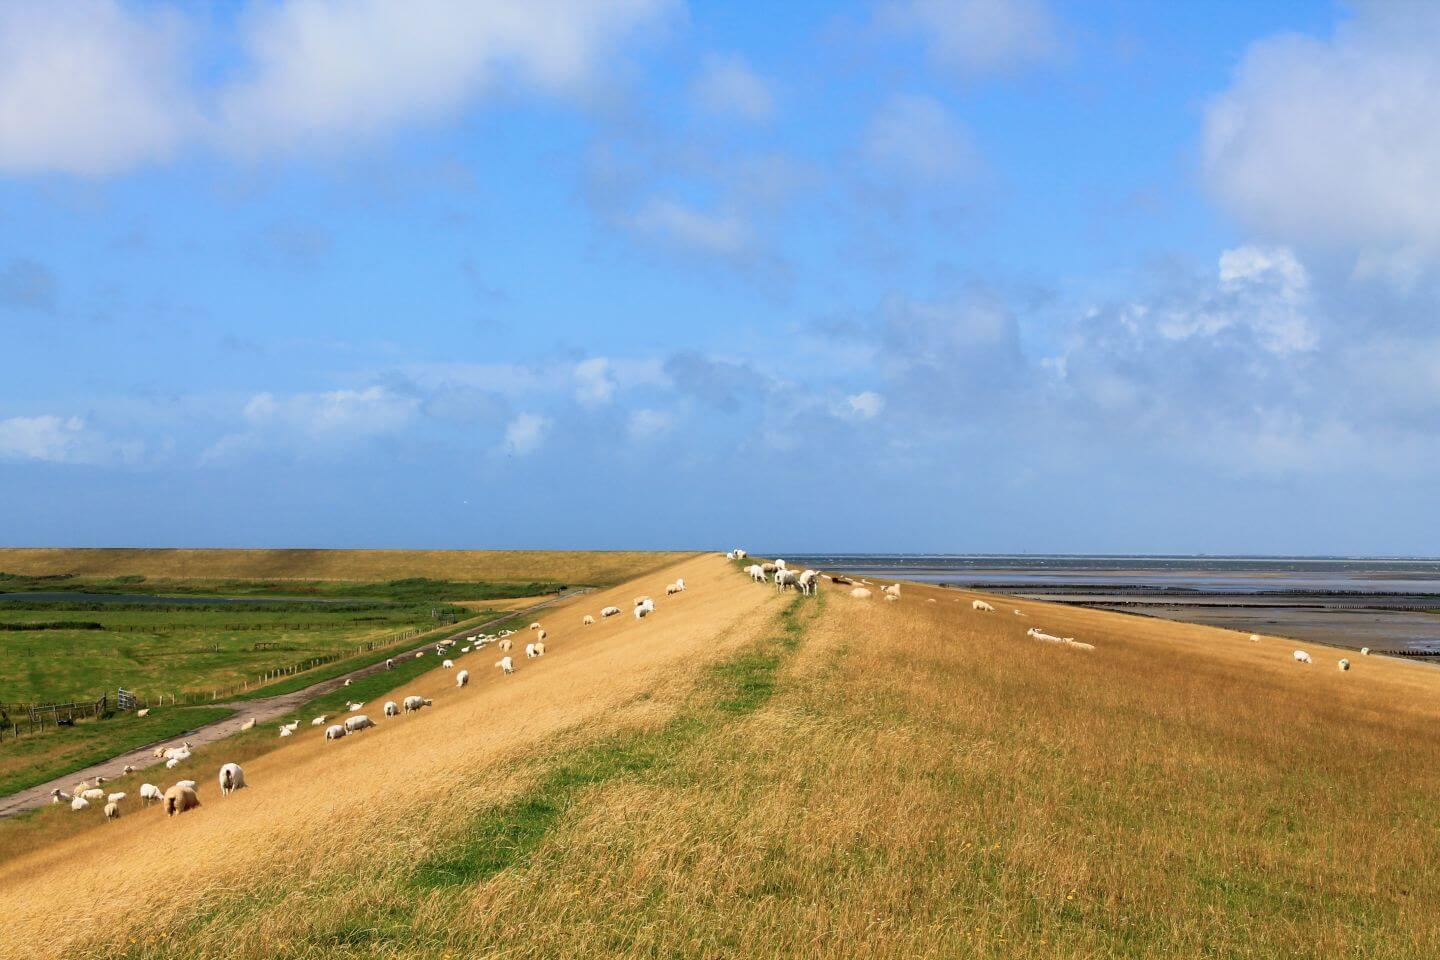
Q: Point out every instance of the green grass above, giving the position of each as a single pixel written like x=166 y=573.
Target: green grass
x=505 y=836
x=32 y=760
x=179 y=649
x=406 y=590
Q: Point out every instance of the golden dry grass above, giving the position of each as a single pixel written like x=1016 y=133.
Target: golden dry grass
x=559 y=566
x=923 y=781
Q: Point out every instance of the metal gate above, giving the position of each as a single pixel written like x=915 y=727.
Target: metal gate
x=124 y=699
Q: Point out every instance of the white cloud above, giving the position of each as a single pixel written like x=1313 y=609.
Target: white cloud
x=321 y=70
x=594 y=383
x=727 y=86
x=915 y=137
x=645 y=424
x=525 y=433
x=52 y=439
x=976 y=37
x=88 y=87
x=1336 y=142
x=342 y=413
x=866 y=405
x=719 y=234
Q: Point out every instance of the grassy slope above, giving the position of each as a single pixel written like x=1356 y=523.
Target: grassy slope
x=561 y=566
x=882 y=780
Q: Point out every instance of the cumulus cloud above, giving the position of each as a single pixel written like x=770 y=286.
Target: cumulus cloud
x=310 y=423
x=53 y=439
x=979 y=37
x=526 y=433
x=645 y=424
x=1335 y=141
x=669 y=221
x=728 y=86
x=89 y=87
x=325 y=70
x=915 y=137
x=866 y=405
x=594 y=382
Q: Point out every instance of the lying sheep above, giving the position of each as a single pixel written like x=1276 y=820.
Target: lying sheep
x=1364 y=651
x=1254 y=638
x=172 y=763
x=680 y=582
x=1344 y=665
x=506 y=664
x=356 y=724
x=642 y=612
x=247 y=725
x=982 y=606
x=232 y=778
x=841 y=581
x=180 y=799
x=392 y=709
x=149 y=793
x=286 y=732
x=768 y=567
x=143 y=713
x=318 y=722
x=129 y=769
x=534 y=626
x=79 y=803
x=609 y=612
x=116 y=797
x=353 y=706
x=462 y=678
x=1302 y=657
x=464 y=649
x=334 y=732
x=860 y=593
x=60 y=796
x=892 y=598
x=892 y=591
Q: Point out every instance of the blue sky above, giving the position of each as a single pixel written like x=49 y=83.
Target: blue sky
x=929 y=275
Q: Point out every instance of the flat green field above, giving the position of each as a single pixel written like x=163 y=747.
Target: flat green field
x=176 y=649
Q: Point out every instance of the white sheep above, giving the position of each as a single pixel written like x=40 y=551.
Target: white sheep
x=232 y=778
x=539 y=648
x=680 y=582
x=642 y=612
x=60 y=796
x=334 y=732
x=348 y=681
x=982 y=606
x=780 y=565
x=860 y=593
x=808 y=581
x=292 y=726
x=609 y=612
x=671 y=589
x=247 y=725
x=356 y=724
x=1302 y=657
x=286 y=732
x=757 y=573
x=534 y=626
x=464 y=649
x=541 y=636
x=389 y=663
x=1364 y=651
x=79 y=803
x=116 y=797
x=143 y=713
x=112 y=811
x=1344 y=665
x=188 y=784
x=892 y=598
x=893 y=590
x=785 y=579
x=172 y=763
x=129 y=769
x=149 y=793
x=768 y=567
x=318 y=722
x=448 y=664
x=462 y=678
x=353 y=706
x=180 y=799
x=1254 y=638
x=740 y=554
x=506 y=664
x=392 y=709
x=586 y=620
x=419 y=654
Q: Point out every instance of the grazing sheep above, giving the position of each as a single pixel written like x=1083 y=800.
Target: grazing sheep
x=1344 y=665
x=785 y=579
x=247 y=725
x=1302 y=657
x=609 y=612
x=642 y=612
x=180 y=799
x=757 y=573
x=534 y=626
x=506 y=644
x=143 y=713
x=334 y=732
x=79 y=803
x=318 y=722
x=982 y=606
x=1364 y=651
x=112 y=811
x=348 y=681
x=539 y=648
x=232 y=778
x=462 y=678
x=149 y=792
x=680 y=582
x=59 y=796
x=671 y=589
x=352 y=707
x=1254 y=638
x=768 y=567
x=448 y=664
x=413 y=703
x=541 y=636
x=860 y=593
x=392 y=709
x=389 y=663
x=116 y=797
x=506 y=664
x=586 y=620
x=356 y=724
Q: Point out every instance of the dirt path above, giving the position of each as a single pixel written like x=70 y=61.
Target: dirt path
x=263 y=709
